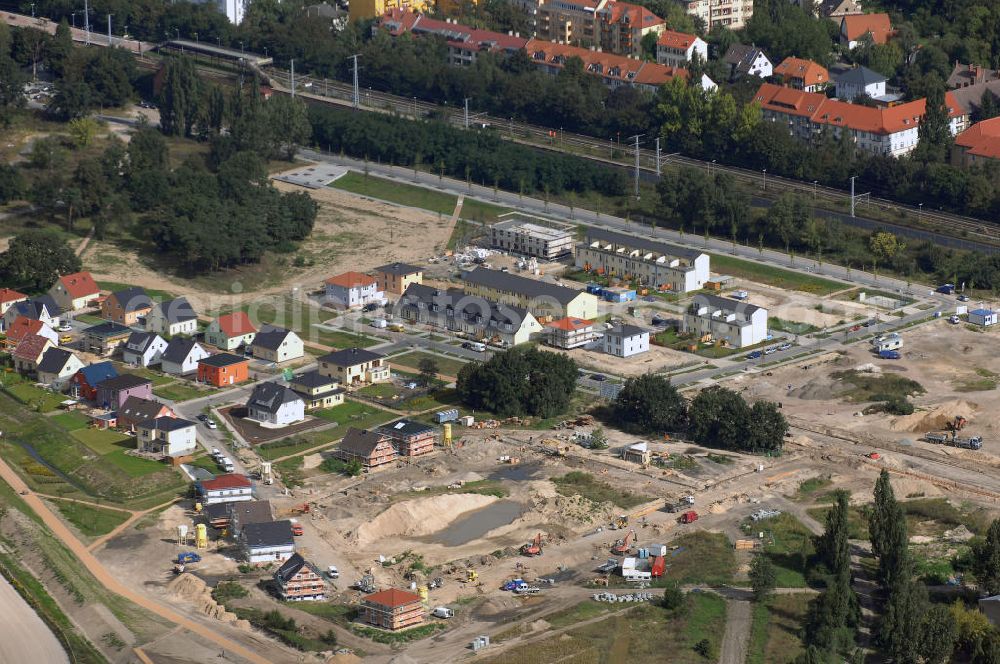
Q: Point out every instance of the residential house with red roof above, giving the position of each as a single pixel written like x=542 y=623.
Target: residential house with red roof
x=10 y=297
x=802 y=74
x=613 y=70
x=623 y=25
x=28 y=353
x=853 y=28
x=570 y=332
x=978 y=144
x=227 y=488
x=74 y=291
x=23 y=327
x=230 y=331
x=464 y=43
x=392 y=609
x=675 y=49
x=353 y=289
x=890 y=131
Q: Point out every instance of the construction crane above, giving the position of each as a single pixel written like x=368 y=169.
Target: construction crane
x=534 y=548
x=622 y=546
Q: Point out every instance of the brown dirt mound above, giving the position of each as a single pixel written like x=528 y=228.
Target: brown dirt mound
x=422 y=516
x=192 y=589
x=934 y=418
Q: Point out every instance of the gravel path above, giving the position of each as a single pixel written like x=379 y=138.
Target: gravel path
x=737 y=636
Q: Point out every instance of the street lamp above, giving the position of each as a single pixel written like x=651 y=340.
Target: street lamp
x=32 y=10
x=711 y=167
x=764 y=179
x=920 y=211
x=815 y=183
x=73 y=18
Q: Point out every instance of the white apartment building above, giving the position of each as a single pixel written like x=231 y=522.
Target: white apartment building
x=676 y=49
x=532 y=236
x=626 y=341
x=732 y=14
x=737 y=323
x=656 y=264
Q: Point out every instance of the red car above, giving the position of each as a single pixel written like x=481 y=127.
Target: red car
x=296 y=529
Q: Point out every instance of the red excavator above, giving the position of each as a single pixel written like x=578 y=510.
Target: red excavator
x=622 y=546
x=533 y=548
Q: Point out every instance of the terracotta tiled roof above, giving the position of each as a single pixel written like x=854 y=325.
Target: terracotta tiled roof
x=810 y=72
x=821 y=110
x=79 y=284
x=231 y=481
x=678 y=40
x=31 y=347
x=854 y=27
x=570 y=324
x=236 y=324
x=22 y=327
x=637 y=15
x=606 y=65
x=351 y=280
x=981 y=139
x=397 y=21
x=393 y=598
x=10 y=295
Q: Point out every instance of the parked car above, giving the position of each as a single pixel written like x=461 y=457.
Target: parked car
x=785 y=346
x=954 y=319
x=772 y=349
x=963 y=298
x=64 y=327
x=210 y=423
x=203 y=418
x=598 y=377
x=297 y=530
x=333 y=572
x=755 y=355
x=371 y=306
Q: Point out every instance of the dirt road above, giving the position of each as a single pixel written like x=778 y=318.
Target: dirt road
x=110 y=582
x=23 y=635
x=737 y=636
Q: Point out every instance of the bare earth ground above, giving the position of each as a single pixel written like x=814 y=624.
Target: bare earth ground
x=351 y=233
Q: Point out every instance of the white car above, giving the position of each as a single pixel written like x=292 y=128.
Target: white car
x=65 y=327
x=333 y=572
x=215 y=452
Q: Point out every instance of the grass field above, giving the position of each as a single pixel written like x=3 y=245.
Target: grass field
x=380 y=391
x=181 y=391
x=774 y=633
x=857 y=524
x=876 y=387
x=151 y=292
x=774 y=276
x=353 y=414
x=35 y=397
x=341 y=340
x=91 y=521
x=103 y=441
x=133 y=466
x=792 y=327
x=701 y=557
x=789 y=545
x=71 y=421
x=449 y=366
x=578 y=483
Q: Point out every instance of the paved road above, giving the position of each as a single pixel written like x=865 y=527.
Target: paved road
x=24 y=637
x=111 y=582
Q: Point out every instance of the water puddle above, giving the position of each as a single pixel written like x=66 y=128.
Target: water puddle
x=476 y=524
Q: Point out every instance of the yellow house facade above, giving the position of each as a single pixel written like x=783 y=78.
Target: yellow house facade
x=361 y=10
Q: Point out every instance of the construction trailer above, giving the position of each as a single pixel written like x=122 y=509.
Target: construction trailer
x=891 y=341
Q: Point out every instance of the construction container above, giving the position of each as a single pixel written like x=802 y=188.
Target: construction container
x=658 y=567
x=657 y=550
x=449 y=415
x=182 y=534
x=628 y=563
x=467 y=420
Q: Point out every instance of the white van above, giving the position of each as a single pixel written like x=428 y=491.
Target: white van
x=478 y=347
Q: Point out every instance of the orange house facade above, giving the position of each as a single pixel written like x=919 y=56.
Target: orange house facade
x=223 y=369
x=392 y=609
x=125 y=307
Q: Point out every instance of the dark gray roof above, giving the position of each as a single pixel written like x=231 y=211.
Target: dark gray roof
x=269 y=397
x=109 y=329
x=123 y=382
x=140 y=409
x=971 y=96
x=138 y=342
x=455 y=302
x=625 y=330
x=645 y=244
x=270 y=337
x=742 y=56
x=290 y=568
x=53 y=360
x=361 y=443
x=167 y=423
x=724 y=303
x=222 y=360
x=178 y=349
x=275 y=533
x=350 y=357
x=251 y=511
x=312 y=379
x=177 y=310
x=48 y=302
x=133 y=299
x=218 y=510
x=399 y=269
x=404 y=428
x=860 y=76
x=36 y=306
x=532 y=288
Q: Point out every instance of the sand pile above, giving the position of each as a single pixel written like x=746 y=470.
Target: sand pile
x=422 y=516
x=818 y=389
x=192 y=589
x=936 y=418
x=311 y=461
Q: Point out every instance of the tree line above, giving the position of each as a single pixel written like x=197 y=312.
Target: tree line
x=716 y=417
x=519 y=382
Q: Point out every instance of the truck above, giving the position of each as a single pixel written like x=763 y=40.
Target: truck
x=889 y=355
x=443 y=612
x=689 y=517
x=681 y=504
x=952 y=439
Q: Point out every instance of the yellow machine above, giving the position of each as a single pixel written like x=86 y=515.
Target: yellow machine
x=424 y=593
x=446 y=437
x=471 y=576
x=201 y=536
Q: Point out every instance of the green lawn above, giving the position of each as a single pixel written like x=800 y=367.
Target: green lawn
x=577 y=483
x=380 y=391
x=792 y=327
x=103 y=441
x=35 y=397
x=354 y=414
x=91 y=521
x=206 y=462
x=133 y=466
x=396 y=192
x=776 y=628
x=182 y=391
x=71 y=421
x=89 y=319
x=789 y=545
x=700 y=557
x=287 y=312
x=859 y=387
x=151 y=292
x=341 y=340
x=774 y=276
x=156 y=377
x=449 y=366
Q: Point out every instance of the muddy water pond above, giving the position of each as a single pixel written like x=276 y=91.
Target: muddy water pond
x=474 y=525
